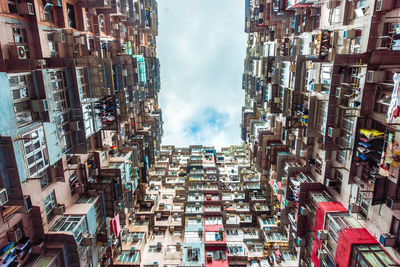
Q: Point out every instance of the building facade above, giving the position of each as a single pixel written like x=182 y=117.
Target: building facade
x=80 y=126
x=321 y=126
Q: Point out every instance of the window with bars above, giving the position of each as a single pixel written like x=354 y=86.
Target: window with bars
x=60 y=88
x=36 y=152
x=21 y=89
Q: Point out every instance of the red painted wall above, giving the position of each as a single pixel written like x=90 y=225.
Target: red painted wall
x=322 y=209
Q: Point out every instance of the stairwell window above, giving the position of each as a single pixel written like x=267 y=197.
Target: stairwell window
x=49 y=204
x=71 y=16
x=88 y=22
x=101 y=23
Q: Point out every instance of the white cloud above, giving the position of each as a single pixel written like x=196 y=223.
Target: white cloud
x=201 y=47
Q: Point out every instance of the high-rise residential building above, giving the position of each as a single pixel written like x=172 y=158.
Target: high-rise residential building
x=85 y=180
x=320 y=119
x=80 y=127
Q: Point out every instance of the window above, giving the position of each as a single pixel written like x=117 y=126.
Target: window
x=53 y=48
x=341 y=156
x=72 y=223
x=60 y=88
x=49 y=204
x=322 y=116
x=21 y=86
x=73 y=182
x=44 y=179
x=47 y=10
x=155 y=249
x=334 y=15
x=395 y=230
x=12 y=6
x=101 y=23
x=318 y=164
x=20 y=36
x=88 y=22
x=71 y=16
x=36 y=153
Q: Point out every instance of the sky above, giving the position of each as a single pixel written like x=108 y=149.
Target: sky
x=201 y=46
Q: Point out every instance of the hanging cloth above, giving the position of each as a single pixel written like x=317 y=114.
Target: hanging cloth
x=395 y=101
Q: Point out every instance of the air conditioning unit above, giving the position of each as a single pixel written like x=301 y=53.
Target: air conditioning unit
x=3 y=197
x=18 y=51
x=26 y=8
x=387 y=240
x=384 y=5
x=80 y=40
x=15 y=236
x=116 y=26
x=322 y=254
x=322 y=235
x=125 y=72
x=376 y=76
x=40 y=105
x=59 y=210
x=74 y=126
x=354 y=207
x=333 y=132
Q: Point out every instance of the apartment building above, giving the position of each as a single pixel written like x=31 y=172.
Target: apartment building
x=205 y=207
x=80 y=127
x=321 y=126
